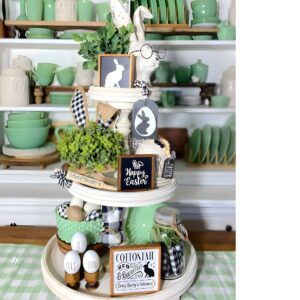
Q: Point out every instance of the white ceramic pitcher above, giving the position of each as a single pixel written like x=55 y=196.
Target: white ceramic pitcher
x=227 y=85
x=14 y=87
x=66 y=10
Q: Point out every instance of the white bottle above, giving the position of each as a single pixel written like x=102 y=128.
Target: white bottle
x=227 y=85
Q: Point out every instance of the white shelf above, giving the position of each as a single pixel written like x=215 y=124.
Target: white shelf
x=178 y=109
x=72 y=45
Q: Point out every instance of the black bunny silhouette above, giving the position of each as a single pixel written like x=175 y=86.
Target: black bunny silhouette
x=142 y=127
x=149 y=272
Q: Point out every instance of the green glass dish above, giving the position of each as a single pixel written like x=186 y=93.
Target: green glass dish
x=178 y=37
x=30 y=115
x=214 y=144
x=202 y=37
x=163 y=11
x=172 y=12
x=224 y=143
x=28 y=123
x=154 y=10
x=154 y=36
x=60 y=98
x=194 y=144
x=206 y=134
x=231 y=148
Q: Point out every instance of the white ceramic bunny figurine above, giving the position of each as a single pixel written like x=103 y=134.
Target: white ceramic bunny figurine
x=113 y=78
x=144 y=66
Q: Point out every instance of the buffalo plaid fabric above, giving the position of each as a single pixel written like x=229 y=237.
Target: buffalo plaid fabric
x=172 y=262
x=133 y=144
x=143 y=85
x=78 y=108
x=62 y=209
x=93 y=215
x=112 y=223
x=101 y=123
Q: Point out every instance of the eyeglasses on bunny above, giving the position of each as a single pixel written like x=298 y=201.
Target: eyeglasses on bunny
x=147 y=51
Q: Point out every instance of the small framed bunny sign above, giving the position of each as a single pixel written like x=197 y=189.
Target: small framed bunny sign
x=116 y=70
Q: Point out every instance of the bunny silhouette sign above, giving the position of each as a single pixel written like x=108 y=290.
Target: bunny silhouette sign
x=116 y=70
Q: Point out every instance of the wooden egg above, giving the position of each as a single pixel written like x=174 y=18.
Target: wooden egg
x=75 y=213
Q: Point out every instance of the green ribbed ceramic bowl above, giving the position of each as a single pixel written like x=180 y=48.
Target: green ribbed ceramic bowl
x=31 y=115
x=28 y=123
x=67 y=228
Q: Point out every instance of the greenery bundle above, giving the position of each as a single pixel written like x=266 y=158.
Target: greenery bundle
x=107 y=40
x=94 y=148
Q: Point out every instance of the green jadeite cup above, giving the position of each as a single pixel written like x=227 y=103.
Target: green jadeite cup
x=219 y=101
x=167 y=98
x=85 y=10
x=139 y=223
x=61 y=130
x=66 y=76
x=102 y=10
x=164 y=73
x=27 y=138
x=183 y=75
x=226 y=32
x=32 y=115
x=200 y=70
x=207 y=8
x=28 y=123
x=34 y=10
x=45 y=73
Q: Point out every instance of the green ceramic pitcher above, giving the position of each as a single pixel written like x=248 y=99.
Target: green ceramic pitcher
x=163 y=73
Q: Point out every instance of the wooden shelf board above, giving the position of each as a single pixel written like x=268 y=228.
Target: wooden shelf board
x=61 y=25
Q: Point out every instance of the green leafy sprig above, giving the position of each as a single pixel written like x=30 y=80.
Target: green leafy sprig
x=91 y=147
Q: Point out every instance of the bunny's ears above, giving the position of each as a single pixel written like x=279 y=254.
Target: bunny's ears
x=105 y=114
x=79 y=107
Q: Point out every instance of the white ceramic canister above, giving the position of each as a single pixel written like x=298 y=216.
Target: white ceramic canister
x=231 y=12
x=227 y=85
x=14 y=87
x=84 y=77
x=66 y=10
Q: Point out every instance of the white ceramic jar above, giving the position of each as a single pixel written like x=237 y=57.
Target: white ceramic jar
x=14 y=87
x=66 y=10
x=227 y=85
x=231 y=12
x=84 y=77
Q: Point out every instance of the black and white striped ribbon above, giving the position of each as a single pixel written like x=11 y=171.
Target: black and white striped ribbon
x=62 y=180
x=78 y=108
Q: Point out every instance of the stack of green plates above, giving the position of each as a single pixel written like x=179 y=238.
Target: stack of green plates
x=212 y=144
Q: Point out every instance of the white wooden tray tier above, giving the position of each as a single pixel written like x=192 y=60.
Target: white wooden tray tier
x=53 y=273
x=124 y=199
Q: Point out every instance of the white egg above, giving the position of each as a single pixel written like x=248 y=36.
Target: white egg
x=76 y=202
x=79 y=242
x=72 y=262
x=88 y=207
x=91 y=261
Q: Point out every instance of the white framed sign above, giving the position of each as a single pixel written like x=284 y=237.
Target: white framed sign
x=135 y=269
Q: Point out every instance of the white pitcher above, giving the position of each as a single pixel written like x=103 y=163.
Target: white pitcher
x=84 y=77
x=14 y=87
x=66 y=10
x=227 y=85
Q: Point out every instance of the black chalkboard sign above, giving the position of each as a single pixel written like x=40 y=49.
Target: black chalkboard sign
x=136 y=173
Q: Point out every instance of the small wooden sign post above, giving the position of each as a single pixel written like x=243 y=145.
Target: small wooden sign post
x=135 y=269
x=136 y=172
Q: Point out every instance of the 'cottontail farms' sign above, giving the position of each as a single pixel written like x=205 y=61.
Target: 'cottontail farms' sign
x=136 y=172
x=135 y=269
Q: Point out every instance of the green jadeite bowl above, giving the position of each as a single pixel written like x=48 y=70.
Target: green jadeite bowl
x=28 y=123
x=38 y=30
x=27 y=138
x=61 y=98
x=178 y=37
x=203 y=37
x=38 y=36
x=219 y=101
x=205 y=20
x=32 y=115
x=154 y=36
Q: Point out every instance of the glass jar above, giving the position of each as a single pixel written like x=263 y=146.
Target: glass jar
x=171 y=234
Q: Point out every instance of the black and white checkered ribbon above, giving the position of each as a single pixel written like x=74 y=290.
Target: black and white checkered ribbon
x=78 y=108
x=94 y=215
x=62 y=209
x=101 y=123
x=142 y=84
x=172 y=263
x=62 y=180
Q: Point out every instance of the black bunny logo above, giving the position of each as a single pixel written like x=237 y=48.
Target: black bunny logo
x=149 y=272
x=142 y=127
